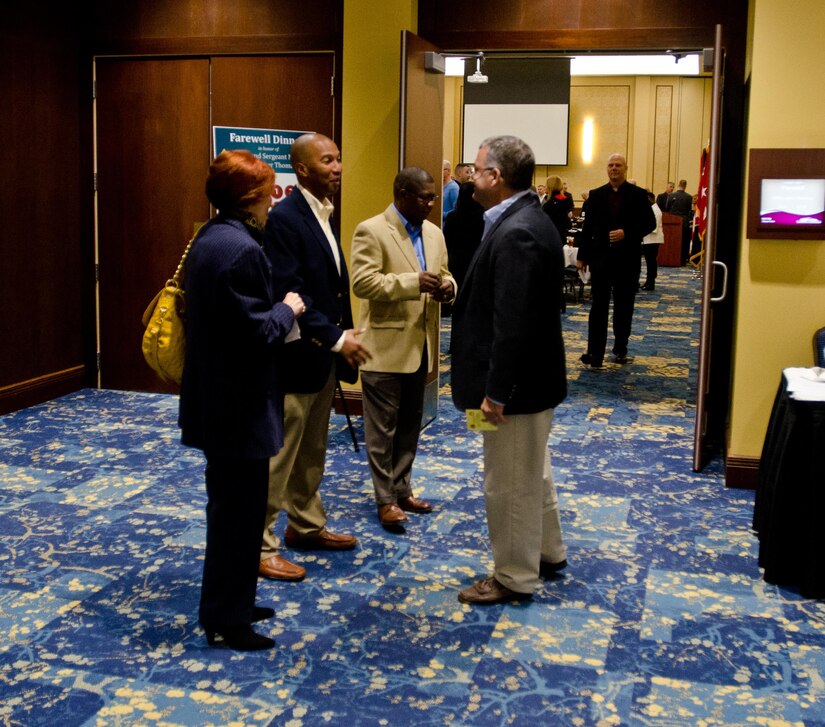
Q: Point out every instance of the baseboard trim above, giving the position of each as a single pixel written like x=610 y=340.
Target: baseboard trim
x=352 y=400
x=41 y=388
x=741 y=473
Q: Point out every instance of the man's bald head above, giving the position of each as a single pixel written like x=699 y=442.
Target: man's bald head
x=317 y=164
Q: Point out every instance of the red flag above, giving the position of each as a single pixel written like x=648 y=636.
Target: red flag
x=702 y=197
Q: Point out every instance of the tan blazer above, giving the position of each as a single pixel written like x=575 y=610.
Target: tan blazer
x=384 y=272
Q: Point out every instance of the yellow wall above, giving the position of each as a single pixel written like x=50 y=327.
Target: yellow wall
x=781 y=286
x=661 y=123
x=370 y=105
x=370 y=108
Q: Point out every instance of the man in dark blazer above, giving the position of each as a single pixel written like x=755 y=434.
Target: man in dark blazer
x=508 y=361
x=618 y=217
x=681 y=203
x=662 y=199
x=306 y=256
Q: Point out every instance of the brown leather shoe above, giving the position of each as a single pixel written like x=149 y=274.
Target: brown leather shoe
x=488 y=591
x=277 y=568
x=413 y=504
x=325 y=540
x=391 y=515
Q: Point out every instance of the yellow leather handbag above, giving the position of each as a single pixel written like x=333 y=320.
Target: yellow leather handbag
x=164 y=340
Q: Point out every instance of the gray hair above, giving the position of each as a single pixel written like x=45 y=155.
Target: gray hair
x=513 y=158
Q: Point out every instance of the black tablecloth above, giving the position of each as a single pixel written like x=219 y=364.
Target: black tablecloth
x=789 y=509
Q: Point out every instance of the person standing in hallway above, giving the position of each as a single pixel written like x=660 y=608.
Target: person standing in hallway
x=650 y=246
x=463 y=173
x=508 y=361
x=618 y=217
x=681 y=203
x=399 y=270
x=306 y=257
x=559 y=206
x=449 y=189
x=231 y=399
x=462 y=233
x=663 y=198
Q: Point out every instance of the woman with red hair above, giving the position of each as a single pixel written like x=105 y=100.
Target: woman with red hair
x=231 y=403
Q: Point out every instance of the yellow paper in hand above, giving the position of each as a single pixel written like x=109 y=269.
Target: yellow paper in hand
x=476 y=421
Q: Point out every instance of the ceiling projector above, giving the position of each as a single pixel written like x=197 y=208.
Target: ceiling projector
x=478 y=76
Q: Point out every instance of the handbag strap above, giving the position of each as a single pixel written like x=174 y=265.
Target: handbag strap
x=176 y=278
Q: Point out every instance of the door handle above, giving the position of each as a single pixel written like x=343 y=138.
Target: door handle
x=724 y=282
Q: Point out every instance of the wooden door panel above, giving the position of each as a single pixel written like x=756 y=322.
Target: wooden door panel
x=420 y=144
x=290 y=93
x=706 y=338
x=422 y=113
x=153 y=153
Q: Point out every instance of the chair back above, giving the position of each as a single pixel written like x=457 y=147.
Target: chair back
x=819 y=348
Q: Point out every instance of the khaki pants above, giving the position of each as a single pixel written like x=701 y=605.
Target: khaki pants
x=295 y=473
x=522 y=505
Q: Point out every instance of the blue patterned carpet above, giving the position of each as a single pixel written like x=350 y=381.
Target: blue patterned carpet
x=661 y=618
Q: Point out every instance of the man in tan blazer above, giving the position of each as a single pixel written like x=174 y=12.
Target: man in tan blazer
x=399 y=270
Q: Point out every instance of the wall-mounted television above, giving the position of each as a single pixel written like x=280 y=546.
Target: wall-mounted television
x=786 y=194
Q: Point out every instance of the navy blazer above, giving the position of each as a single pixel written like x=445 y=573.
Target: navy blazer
x=302 y=262
x=231 y=401
x=506 y=338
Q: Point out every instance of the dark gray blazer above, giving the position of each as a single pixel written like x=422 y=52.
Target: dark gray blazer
x=506 y=337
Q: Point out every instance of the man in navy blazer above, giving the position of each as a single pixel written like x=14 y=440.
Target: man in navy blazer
x=306 y=256
x=508 y=361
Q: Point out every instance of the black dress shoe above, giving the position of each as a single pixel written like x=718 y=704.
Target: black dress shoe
x=649 y=286
x=547 y=570
x=588 y=360
x=239 y=638
x=621 y=358
x=262 y=613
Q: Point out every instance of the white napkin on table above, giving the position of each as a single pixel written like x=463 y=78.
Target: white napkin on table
x=805 y=384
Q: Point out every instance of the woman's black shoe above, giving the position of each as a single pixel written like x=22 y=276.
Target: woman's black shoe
x=261 y=613
x=240 y=638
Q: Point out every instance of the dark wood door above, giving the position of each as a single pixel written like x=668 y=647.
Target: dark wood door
x=711 y=266
x=154 y=142
x=421 y=145
x=289 y=93
x=422 y=112
x=152 y=156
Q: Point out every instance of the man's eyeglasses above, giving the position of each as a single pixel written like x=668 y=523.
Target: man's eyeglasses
x=483 y=169
x=425 y=198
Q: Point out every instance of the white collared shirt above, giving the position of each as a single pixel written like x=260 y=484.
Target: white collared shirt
x=492 y=214
x=323 y=211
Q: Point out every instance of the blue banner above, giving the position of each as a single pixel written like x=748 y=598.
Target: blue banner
x=269 y=145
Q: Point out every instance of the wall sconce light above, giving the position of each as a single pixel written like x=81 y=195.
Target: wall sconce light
x=587 y=140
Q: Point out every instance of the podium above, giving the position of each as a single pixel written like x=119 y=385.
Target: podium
x=671 y=253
